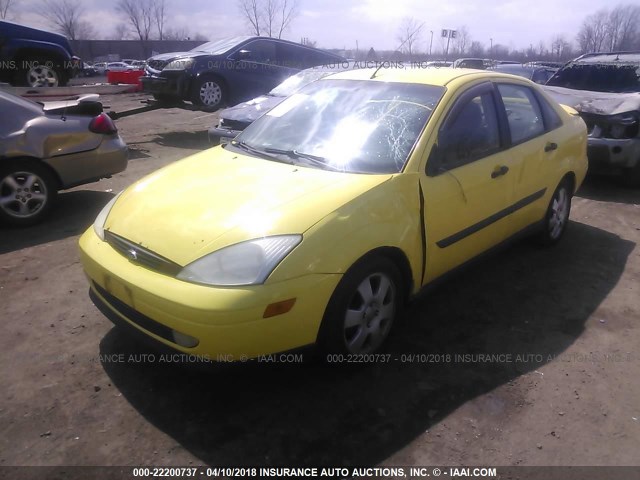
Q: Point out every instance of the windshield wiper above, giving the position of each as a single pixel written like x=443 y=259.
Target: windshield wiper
x=296 y=155
x=256 y=151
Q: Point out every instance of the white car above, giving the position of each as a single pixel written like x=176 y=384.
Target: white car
x=117 y=67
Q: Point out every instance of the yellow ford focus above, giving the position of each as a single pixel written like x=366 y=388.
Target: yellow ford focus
x=319 y=221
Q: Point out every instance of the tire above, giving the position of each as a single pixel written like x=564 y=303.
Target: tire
x=28 y=190
x=363 y=308
x=557 y=216
x=40 y=74
x=208 y=92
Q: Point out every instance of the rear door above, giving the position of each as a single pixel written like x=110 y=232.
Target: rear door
x=468 y=185
x=256 y=69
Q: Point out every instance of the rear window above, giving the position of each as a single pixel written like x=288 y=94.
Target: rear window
x=599 y=77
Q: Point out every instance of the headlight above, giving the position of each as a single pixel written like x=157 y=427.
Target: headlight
x=246 y=263
x=98 y=225
x=623 y=126
x=182 y=64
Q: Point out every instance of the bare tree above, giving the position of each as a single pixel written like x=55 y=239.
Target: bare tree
x=252 y=13
x=5 y=7
x=622 y=27
x=593 y=32
x=559 y=46
x=268 y=17
x=66 y=17
x=476 y=49
x=160 y=16
x=139 y=13
x=121 y=32
x=462 y=40
x=181 y=33
x=410 y=34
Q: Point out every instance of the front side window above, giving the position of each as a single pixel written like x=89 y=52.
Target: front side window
x=523 y=112
x=261 y=51
x=347 y=125
x=472 y=133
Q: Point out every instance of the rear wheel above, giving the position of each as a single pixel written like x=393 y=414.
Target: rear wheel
x=557 y=217
x=208 y=92
x=28 y=190
x=363 y=308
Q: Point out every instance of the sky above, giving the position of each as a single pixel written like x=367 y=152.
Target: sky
x=366 y=23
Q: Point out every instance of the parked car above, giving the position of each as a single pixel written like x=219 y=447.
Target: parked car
x=231 y=70
x=35 y=58
x=605 y=89
x=118 y=67
x=326 y=214
x=137 y=64
x=439 y=64
x=235 y=119
x=100 y=67
x=87 y=71
x=535 y=74
x=477 y=63
x=51 y=147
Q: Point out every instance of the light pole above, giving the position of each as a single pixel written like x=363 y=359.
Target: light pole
x=491 y=49
x=430 y=43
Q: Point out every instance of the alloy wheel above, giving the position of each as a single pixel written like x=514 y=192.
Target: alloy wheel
x=22 y=194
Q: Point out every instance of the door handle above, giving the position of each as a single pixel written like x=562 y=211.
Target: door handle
x=499 y=171
x=550 y=147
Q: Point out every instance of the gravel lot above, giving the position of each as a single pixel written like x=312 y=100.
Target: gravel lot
x=562 y=324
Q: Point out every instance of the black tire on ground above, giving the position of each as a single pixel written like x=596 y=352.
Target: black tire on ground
x=28 y=191
x=557 y=216
x=363 y=308
x=165 y=98
x=39 y=72
x=208 y=92
x=631 y=177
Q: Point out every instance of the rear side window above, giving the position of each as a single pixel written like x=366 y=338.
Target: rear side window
x=551 y=117
x=523 y=112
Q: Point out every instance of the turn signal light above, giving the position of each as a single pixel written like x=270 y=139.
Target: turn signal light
x=279 y=308
x=103 y=124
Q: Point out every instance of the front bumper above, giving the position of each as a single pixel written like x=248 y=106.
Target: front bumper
x=227 y=322
x=174 y=84
x=84 y=167
x=612 y=156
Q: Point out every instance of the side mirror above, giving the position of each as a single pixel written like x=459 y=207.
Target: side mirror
x=243 y=55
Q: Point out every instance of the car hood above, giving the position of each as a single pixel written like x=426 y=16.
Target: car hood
x=168 y=57
x=218 y=198
x=249 y=111
x=600 y=103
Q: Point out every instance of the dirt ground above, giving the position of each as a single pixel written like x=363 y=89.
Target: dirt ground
x=562 y=325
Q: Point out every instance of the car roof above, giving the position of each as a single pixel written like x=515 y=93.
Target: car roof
x=611 y=57
x=427 y=76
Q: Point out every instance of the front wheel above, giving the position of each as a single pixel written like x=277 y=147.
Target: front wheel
x=27 y=192
x=362 y=309
x=208 y=92
x=557 y=217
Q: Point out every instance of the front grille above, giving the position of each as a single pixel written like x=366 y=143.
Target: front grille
x=141 y=256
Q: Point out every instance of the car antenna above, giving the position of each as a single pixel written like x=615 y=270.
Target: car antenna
x=376 y=72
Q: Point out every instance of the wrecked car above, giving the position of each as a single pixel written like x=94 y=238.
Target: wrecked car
x=230 y=70
x=49 y=147
x=605 y=90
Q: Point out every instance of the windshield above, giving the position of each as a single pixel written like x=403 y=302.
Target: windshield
x=347 y=125
x=297 y=81
x=219 y=47
x=598 y=77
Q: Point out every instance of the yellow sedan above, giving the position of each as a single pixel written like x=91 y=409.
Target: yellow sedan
x=327 y=214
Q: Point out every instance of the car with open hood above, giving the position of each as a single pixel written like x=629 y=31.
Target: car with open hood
x=605 y=89
x=46 y=147
x=328 y=213
x=230 y=70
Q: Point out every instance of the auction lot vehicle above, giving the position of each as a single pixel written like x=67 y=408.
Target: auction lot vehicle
x=51 y=147
x=536 y=74
x=230 y=70
x=235 y=119
x=35 y=58
x=477 y=63
x=605 y=89
x=325 y=215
